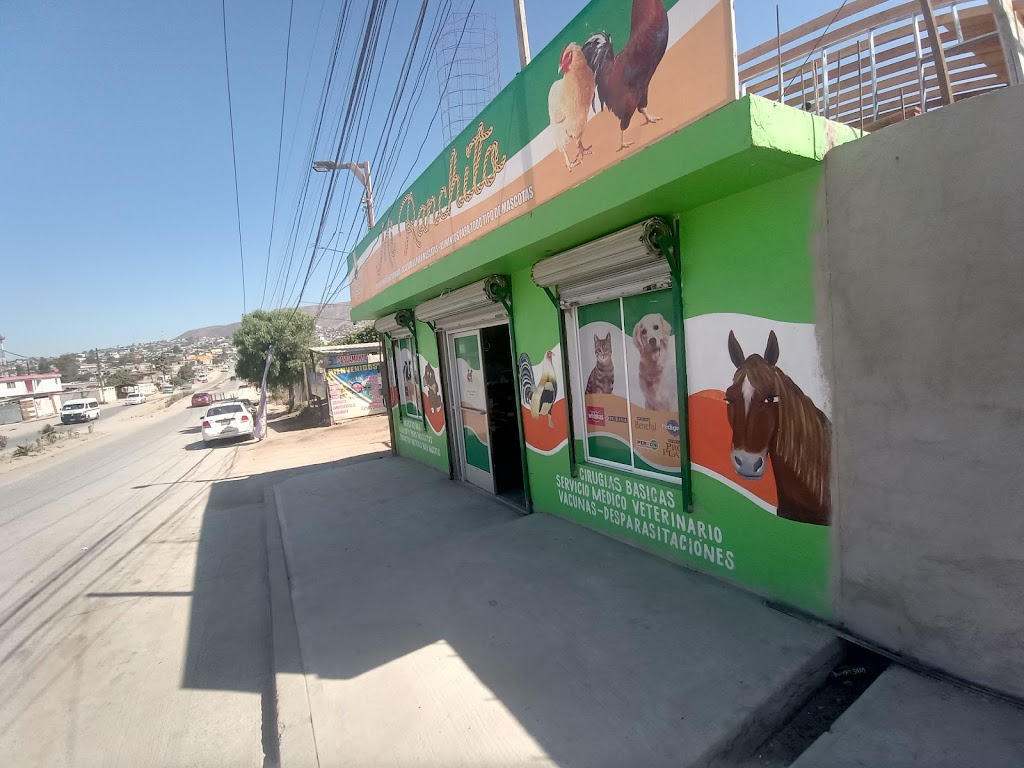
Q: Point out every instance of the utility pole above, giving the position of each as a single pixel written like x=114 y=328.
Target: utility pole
x=522 y=33
x=99 y=376
x=1011 y=35
x=3 y=356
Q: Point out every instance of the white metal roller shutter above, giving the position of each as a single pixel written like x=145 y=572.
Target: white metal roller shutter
x=388 y=325
x=462 y=309
x=625 y=263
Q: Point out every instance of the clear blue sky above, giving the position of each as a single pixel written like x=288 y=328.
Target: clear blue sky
x=117 y=208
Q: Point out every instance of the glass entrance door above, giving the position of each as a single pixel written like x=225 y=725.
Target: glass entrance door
x=471 y=388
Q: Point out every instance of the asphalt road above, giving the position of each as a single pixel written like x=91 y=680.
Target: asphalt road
x=26 y=432
x=134 y=613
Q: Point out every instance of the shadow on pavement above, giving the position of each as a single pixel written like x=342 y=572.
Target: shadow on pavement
x=437 y=618
x=229 y=634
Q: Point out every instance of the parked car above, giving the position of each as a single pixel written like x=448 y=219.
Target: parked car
x=227 y=420
x=135 y=398
x=167 y=389
x=250 y=406
x=86 y=409
x=200 y=399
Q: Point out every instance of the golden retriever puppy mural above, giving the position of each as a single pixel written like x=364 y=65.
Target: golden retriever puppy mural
x=652 y=337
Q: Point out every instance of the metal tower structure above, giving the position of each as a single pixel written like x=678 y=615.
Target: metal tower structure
x=467 y=72
x=3 y=356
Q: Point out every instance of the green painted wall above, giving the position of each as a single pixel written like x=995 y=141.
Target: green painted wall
x=414 y=436
x=749 y=252
x=744 y=182
x=745 y=258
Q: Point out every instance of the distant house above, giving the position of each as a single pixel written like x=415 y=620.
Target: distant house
x=23 y=398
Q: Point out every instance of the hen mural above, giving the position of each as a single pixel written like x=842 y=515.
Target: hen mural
x=623 y=79
x=542 y=400
x=569 y=101
x=622 y=76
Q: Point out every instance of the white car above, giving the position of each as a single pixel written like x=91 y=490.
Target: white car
x=227 y=420
x=135 y=398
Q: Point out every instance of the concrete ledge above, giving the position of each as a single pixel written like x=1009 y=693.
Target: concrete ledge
x=294 y=723
x=906 y=720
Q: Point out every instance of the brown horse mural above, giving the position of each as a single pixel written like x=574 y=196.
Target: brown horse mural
x=771 y=417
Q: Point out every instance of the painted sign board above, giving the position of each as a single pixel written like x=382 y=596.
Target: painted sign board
x=354 y=386
x=619 y=77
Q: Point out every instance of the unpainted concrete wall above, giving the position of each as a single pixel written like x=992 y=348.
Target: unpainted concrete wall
x=920 y=270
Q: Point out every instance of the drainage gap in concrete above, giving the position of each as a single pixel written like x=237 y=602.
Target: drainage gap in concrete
x=857 y=670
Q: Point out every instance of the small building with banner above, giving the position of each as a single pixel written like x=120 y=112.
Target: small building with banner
x=346 y=380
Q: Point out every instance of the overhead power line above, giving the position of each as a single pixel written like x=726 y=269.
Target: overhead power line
x=234 y=154
x=280 y=143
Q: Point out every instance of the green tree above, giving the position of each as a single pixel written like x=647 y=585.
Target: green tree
x=67 y=364
x=291 y=333
x=364 y=333
x=44 y=365
x=186 y=373
x=120 y=378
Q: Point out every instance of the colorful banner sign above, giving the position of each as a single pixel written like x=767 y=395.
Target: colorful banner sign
x=618 y=78
x=355 y=387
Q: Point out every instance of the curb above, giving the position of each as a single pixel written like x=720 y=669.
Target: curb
x=296 y=741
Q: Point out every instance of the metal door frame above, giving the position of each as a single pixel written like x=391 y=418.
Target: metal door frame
x=462 y=470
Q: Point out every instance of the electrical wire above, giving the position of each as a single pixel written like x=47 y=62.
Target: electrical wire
x=361 y=73
x=352 y=130
x=393 y=164
x=440 y=19
x=285 y=268
x=385 y=132
x=813 y=48
x=280 y=143
x=234 y=155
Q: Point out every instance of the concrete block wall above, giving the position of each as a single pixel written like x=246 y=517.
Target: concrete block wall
x=920 y=315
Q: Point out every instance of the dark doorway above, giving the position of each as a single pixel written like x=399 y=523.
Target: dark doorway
x=501 y=405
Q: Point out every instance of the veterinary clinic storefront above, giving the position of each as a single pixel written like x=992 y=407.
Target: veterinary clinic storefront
x=614 y=322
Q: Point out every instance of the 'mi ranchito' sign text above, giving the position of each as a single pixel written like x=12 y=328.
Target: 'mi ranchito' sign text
x=486 y=162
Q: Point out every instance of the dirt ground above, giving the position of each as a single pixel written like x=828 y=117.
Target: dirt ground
x=294 y=441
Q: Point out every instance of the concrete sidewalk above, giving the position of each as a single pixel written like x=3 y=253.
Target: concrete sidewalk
x=439 y=628
x=905 y=720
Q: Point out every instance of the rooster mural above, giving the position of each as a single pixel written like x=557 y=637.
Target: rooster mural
x=540 y=394
x=569 y=101
x=623 y=78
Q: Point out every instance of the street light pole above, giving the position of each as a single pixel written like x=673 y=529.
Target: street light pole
x=362 y=172
x=522 y=33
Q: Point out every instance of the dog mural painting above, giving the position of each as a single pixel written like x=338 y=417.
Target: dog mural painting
x=773 y=420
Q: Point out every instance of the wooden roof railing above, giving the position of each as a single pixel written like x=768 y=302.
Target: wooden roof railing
x=870 y=63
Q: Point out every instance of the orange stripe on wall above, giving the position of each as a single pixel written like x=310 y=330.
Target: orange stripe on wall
x=711 y=443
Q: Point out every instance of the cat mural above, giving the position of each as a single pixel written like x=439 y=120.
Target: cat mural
x=602 y=377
